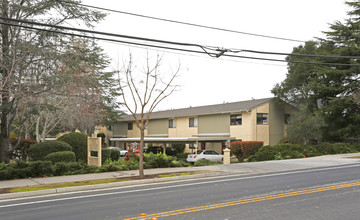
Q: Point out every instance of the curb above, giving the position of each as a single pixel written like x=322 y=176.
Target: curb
x=107 y=185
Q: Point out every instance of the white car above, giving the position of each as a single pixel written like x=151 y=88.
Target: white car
x=205 y=154
x=122 y=152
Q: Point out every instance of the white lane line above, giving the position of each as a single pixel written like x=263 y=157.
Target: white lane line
x=166 y=187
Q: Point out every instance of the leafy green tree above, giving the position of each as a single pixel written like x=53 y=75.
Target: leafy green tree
x=30 y=59
x=305 y=126
x=327 y=90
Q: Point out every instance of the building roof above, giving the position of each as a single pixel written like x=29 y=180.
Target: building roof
x=233 y=107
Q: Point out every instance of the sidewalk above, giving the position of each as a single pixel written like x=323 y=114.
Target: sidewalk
x=237 y=168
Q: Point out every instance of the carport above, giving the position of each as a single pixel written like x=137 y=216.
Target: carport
x=197 y=141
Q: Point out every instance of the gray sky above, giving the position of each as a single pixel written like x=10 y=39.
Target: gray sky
x=206 y=80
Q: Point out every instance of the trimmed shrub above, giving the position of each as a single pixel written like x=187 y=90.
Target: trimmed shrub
x=41 y=168
x=182 y=155
x=40 y=150
x=264 y=153
x=244 y=149
x=62 y=156
x=64 y=168
x=205 y=162
x=114 y=154
x=20 y=169
x=336 y=148
x=105 y=154
x=158 y=160
x=175 y=149
x=109 y=154
x=78 y=142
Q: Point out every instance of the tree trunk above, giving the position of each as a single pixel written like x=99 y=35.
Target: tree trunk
x=4 y=137
x=37 y=130
x=5 y=99
x=141 y=148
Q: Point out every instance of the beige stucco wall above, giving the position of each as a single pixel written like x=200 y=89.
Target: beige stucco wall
x=276 y=122
x=262 y=131
x=135 y=132
x=212 y=124
x=158 y=127
x=182 y=128
x=244 y=131
x=120 y=128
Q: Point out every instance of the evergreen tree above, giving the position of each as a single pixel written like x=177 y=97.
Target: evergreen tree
x=30 y=58
x=328 y=89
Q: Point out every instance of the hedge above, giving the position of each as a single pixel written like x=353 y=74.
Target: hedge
x=291 y=151
x=40 y=150
x=78 y=142
x=111 y=154
x=244 y=149
x=62 y=156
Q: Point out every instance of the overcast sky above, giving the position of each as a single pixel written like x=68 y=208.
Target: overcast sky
x=207 y=80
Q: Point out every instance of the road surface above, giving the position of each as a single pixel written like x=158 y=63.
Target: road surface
x=323 y=193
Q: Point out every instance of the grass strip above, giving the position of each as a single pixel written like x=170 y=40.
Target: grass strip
x=93 y=182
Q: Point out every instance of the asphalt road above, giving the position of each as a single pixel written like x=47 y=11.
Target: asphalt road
x=324 y=193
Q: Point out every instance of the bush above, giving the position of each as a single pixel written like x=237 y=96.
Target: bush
x=264 y=153
x=114 y=154
x=40 y=150
x=20 y=169
x=205 y=162
x=62 y=156
x=158 y=160
x=175 y=149
x=244 y=149
x=337 y=148
x=105 y=154
x=109 y=154
x=41 y=168
x=63 y=168
x=182 y=155
x=78 y=142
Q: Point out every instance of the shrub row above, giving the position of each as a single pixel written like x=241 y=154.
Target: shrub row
x=22 y=169
x=78 y=142
x=41 y=150
x=111 y=154
x=290 y=151
x=244 y=149
x=161 y=161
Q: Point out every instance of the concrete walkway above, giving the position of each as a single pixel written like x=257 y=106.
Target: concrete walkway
x=237 y=168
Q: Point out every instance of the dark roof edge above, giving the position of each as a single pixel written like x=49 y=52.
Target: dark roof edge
x=265 y=100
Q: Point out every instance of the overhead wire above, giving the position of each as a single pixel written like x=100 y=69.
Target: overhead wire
x=219 y=52
x=182 y=22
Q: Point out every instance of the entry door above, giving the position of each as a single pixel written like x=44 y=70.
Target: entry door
x=202 y=145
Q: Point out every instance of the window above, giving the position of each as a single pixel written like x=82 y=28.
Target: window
x=235 y=119
x=130 y=126
x=193 y=122
x=286 y=118
x=262 y=118
x=172 y=123
x=191 y=146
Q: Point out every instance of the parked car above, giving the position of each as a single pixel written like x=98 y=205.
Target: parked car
x=122 y=152
x=204 y=154
x=154 y=150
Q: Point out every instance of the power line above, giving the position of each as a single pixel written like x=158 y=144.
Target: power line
x=183 y=23
x=217 y=52
x=168 y=48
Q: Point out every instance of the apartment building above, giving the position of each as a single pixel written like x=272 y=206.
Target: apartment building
x=210 y=127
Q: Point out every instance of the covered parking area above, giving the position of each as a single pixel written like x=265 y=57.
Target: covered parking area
x=217 y=143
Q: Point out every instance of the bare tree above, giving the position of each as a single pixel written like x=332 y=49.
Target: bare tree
x=142 y=91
